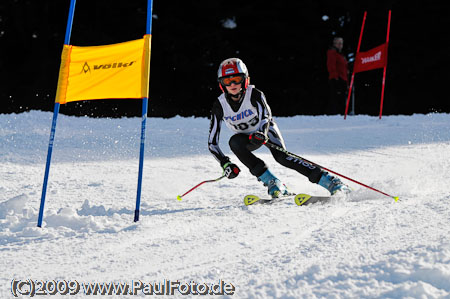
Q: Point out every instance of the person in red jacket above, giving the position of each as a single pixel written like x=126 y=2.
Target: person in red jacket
x=337 y=77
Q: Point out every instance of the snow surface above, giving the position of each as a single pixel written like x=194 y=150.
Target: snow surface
x=367 y=246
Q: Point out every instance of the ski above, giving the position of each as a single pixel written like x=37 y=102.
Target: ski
x=300 y=199
x=253 y=199
x=306 y=199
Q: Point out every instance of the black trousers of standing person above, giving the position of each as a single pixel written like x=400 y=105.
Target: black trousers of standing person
x=337 y=96
x=243 y=149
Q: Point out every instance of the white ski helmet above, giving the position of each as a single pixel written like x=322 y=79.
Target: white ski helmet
x=232 y=67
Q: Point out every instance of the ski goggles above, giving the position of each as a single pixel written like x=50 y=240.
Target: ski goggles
x=234 y=79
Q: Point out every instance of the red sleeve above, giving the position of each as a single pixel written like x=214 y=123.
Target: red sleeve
x=331 y=64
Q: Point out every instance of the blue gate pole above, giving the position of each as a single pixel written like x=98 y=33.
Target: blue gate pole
x=55 y=118
x=144 y=121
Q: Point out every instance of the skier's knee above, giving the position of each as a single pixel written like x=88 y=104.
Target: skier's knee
x=239 y=143
x=235 y=143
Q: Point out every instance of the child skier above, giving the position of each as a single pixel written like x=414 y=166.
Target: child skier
x=244 y=110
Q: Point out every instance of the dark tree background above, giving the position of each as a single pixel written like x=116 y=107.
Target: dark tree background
x=283 y=43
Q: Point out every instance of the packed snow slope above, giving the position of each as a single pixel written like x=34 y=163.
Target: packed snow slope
x=367 y=246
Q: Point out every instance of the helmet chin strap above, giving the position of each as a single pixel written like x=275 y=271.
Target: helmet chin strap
x=236 y=96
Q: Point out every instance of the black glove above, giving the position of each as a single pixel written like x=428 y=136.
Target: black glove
x=230 y=170
x=258 y=138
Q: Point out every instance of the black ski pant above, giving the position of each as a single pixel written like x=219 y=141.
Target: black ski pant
x=243 y=148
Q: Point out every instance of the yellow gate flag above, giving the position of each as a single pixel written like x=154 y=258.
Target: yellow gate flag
x=114 y=71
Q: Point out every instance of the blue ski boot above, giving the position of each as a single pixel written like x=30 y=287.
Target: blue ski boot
x=333 y=184
x=274 y=185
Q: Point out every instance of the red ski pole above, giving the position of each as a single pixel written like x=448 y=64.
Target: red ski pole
x=329 y=170
x=198 y=185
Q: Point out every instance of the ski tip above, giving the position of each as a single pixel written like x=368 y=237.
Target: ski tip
x=301 y=199
x=396 y=198
x=179 y=197
x=250 y=199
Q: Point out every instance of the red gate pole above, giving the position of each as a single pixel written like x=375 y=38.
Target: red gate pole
x=385 y=65
x=353 y=73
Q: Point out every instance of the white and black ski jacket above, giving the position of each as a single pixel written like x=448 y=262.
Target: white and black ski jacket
x=249 y=115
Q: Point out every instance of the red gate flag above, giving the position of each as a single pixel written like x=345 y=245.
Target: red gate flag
x=373 y=59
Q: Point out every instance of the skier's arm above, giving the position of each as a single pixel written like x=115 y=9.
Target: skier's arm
x=331 y=64
x=264 y=112
x=214 y=134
